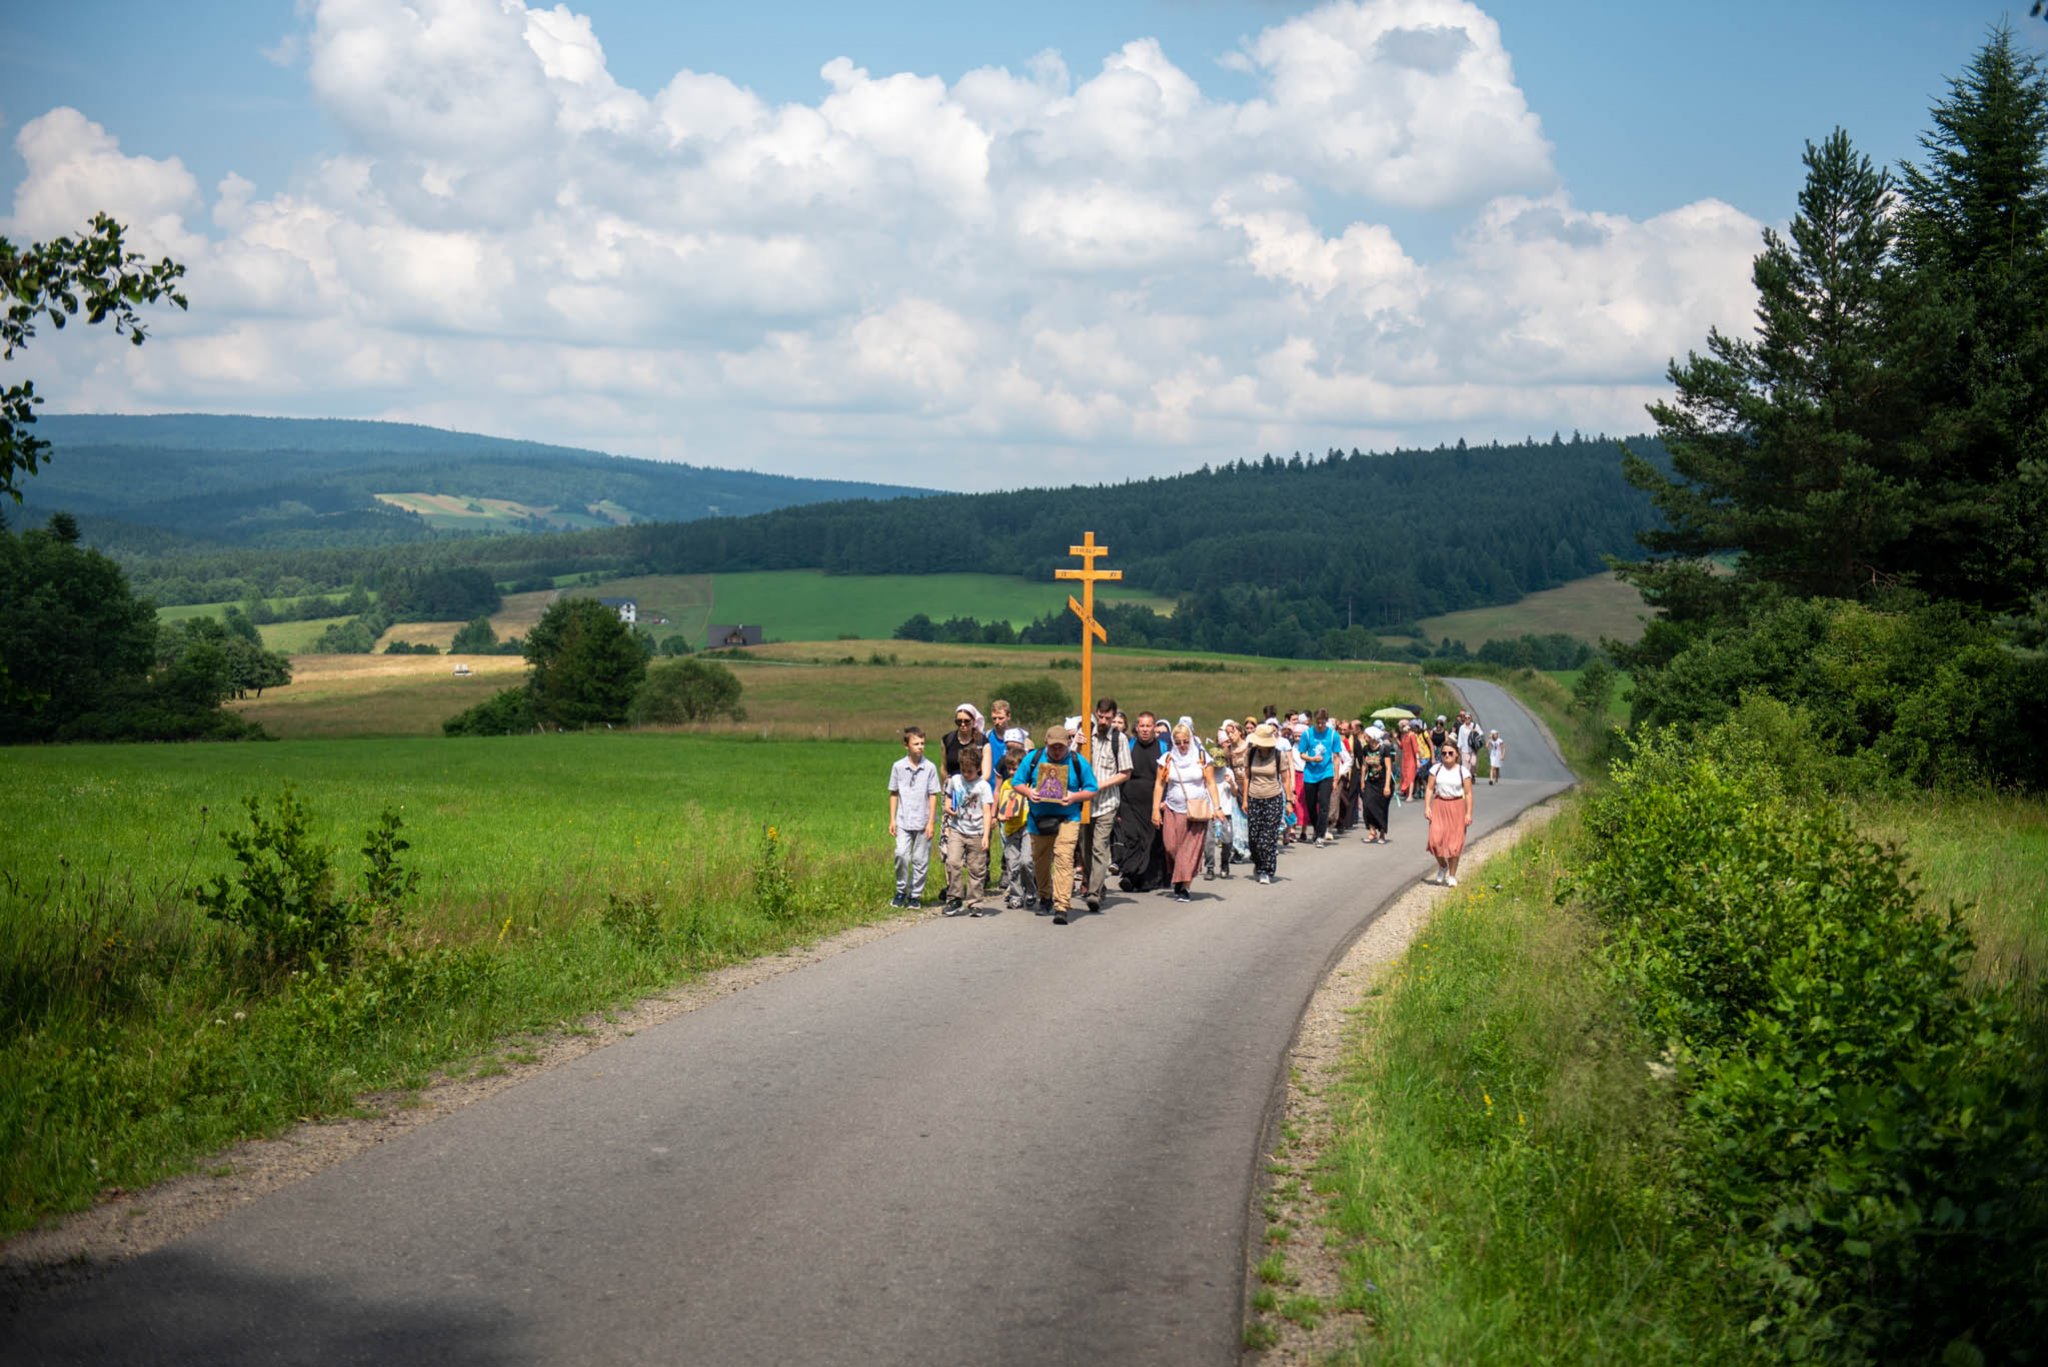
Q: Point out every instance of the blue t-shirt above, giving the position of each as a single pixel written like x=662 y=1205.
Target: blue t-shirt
x=1317 y=750
x=1077 y=774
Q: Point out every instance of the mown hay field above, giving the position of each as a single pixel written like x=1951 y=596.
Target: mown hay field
x=1598 y=607
x=833 y=691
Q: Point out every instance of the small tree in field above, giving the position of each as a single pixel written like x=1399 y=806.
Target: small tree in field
x=586 y=664
x=686 y=691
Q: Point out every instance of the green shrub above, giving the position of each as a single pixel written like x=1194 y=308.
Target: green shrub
x=1867 y=1132
x=1928 y=696
x=686 y=690
x=285 y=895
x=506 y=713
x=1036 y=702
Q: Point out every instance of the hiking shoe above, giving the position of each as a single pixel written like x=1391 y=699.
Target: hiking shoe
x=1208 y=875
x=1095 y=904
x=954 y=909
x=1059 y=918
x=1045 y=906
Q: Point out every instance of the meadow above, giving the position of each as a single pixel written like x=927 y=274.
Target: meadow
x=1598 y=607
x=867 y=690
x=559 y=875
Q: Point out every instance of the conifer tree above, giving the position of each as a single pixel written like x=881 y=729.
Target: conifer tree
x=1783 y=448
x=1974 y=236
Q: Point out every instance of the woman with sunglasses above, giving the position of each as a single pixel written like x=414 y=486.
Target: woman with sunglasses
x=1447 y=802
x=967 y=730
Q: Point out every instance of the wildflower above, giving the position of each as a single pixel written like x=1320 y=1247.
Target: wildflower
x=1488 y=1099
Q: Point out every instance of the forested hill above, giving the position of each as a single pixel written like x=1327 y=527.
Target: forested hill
x=149 y=483
x=1287 y=550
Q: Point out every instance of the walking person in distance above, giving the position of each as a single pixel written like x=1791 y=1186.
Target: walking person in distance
x=1448 y=803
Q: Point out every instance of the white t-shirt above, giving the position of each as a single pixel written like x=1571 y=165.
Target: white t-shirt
x=1182 y=775
x=1449 y=780
x=967 y=805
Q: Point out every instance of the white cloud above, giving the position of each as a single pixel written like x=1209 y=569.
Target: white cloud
x=1085 y=278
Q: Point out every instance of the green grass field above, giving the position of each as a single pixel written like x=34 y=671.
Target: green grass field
x=135 y=1035
x=1599 y=606
x=810 y=605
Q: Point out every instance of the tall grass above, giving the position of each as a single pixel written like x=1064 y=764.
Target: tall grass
x=1500 y=1180
x=560 y=875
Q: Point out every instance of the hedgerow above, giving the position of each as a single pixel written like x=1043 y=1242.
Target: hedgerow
x=1861 y=1124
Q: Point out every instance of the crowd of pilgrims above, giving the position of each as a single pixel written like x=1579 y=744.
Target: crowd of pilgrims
x=1153 y=806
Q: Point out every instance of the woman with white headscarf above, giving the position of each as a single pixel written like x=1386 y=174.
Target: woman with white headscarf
x=1378 y=766
x=967 y=730
x=1183 y=804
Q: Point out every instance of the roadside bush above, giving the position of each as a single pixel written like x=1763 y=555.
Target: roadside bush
x=506 y=713
x=1866 y=1131
x=1930 y=696
x=1036 y=702
x=284 y=895
x=686 y=690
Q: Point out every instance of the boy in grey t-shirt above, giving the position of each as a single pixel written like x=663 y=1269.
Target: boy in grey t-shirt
x=913 y=810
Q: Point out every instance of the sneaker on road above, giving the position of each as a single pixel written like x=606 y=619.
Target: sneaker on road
x=1451 y=880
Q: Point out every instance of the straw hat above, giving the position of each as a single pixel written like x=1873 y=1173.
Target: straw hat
x=1265 y=736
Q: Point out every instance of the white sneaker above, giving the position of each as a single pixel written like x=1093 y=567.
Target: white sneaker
x=1452 y=880
x=1436 y=875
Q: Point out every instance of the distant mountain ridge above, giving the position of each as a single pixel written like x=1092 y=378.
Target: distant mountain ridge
x=139 y=480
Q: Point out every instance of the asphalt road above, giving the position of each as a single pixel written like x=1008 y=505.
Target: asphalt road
x=978 y=1141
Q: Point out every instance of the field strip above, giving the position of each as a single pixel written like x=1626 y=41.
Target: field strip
x=1314 y=1062
x=128 y=1224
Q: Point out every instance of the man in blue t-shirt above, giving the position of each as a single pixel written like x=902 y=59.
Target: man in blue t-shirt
x=1059 y=782
x=1317 y=754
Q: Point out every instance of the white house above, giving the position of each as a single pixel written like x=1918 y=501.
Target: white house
x=628 y=610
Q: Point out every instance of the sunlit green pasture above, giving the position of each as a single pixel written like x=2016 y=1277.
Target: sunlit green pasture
x=135 y=1035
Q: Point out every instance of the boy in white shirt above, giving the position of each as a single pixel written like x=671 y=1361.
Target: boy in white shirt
x=969 y=805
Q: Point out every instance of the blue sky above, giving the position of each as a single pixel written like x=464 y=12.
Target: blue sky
x=1272 y=226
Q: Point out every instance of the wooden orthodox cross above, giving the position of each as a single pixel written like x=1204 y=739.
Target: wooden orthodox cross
x=1091 y=630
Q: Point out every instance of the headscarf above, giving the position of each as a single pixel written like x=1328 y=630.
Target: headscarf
x=971 y=710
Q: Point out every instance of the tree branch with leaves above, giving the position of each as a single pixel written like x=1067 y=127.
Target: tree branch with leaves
x=54 y=281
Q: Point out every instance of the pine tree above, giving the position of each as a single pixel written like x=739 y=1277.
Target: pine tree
x=1783 y=448
x=1974 y=236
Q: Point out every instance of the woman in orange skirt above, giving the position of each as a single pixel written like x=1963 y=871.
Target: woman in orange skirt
x=1447 y=800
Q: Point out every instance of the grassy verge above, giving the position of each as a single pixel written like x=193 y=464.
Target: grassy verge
x=559 y=875
x=1501 y=1192
x=1508 y=1178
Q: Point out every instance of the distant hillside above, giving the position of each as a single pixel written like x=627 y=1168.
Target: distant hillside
x=155 y=484
x=1298 y=557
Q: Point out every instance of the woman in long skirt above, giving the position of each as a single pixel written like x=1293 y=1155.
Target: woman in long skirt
x=1376 y=780
x=1448 y=801
x=1183 y=803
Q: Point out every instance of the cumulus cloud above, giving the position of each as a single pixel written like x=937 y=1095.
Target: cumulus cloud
x=1072 y=271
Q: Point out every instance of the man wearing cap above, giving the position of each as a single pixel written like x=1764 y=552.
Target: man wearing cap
x=1059 y=782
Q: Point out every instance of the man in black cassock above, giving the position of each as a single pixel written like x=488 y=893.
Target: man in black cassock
x=1138 y=845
